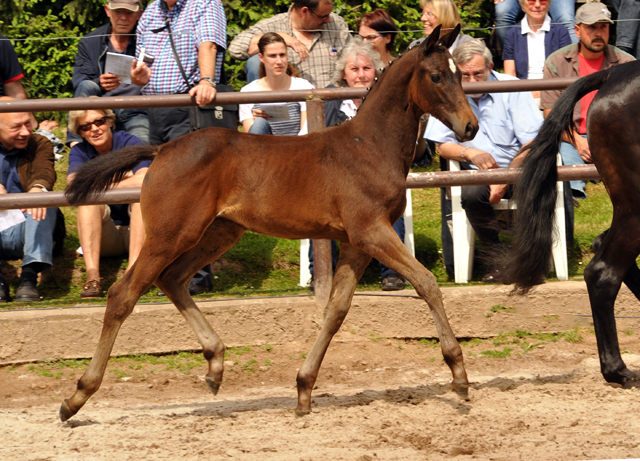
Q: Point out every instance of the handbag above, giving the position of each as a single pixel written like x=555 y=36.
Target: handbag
x=208 y=116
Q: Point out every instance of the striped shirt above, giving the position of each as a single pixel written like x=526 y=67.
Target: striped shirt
x=192 y=22
x=319 y=65
x=289 y=127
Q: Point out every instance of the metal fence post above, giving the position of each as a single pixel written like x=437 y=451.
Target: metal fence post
x=322 y=261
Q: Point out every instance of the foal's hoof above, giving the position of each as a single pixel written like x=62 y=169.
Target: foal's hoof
x=65 y=412
x=631 y=383
x=300 y=413
x=462 y=389
x=212 y=384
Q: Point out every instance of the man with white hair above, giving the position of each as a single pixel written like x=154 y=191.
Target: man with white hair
x=26 y=165
x=507 y=122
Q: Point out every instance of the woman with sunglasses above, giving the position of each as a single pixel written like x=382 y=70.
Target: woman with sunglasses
x=528 y=44
x=105 y=230
x=444 y=13
x=379 y=29
x=276 y=74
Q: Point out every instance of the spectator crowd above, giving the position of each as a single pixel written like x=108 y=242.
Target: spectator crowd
x=179 y=46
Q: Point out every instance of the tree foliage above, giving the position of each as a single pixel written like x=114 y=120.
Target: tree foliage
x=45 y=33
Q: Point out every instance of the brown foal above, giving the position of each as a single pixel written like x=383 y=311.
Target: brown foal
x=344 y=183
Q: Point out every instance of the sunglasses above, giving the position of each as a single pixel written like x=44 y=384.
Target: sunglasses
x=97 y=122
x=541 y=2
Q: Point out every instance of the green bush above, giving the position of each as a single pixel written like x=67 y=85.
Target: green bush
x=45 y=33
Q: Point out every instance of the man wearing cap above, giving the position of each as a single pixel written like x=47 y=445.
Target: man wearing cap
x=591 y=54
x=89 y=76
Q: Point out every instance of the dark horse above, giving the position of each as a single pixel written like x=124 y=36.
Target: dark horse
x=615 y=149
x=344 y=183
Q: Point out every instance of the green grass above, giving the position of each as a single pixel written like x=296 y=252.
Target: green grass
x=265 y=266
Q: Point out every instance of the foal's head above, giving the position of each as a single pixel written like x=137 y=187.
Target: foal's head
x=436 y=87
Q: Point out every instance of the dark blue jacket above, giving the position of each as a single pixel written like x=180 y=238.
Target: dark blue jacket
x=515 y=46
x=92 y=54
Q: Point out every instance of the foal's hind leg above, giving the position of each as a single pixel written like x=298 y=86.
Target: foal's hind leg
x=384 y=245
x=121 y=300
x=350 y=268
x=604 y=275
x=632 y=278
x=218 y=238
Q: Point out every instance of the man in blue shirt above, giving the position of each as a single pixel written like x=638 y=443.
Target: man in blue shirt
x=26 y=162
x=507 y=122
x=199 y=29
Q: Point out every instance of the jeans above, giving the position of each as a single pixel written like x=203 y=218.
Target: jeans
x=252 y=68
x=561 y=11
x=260 y=126
x=627 y=26
x=31 y=241
x=133 y=121
x=570 y=156
x=384 y=270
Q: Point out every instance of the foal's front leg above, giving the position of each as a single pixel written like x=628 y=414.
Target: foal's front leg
x=385 y=246
x=350 y=268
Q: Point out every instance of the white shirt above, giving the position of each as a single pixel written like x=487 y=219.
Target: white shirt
x=535 y=46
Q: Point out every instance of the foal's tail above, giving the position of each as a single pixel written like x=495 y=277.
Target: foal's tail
x=99 y=174
x=526 y=262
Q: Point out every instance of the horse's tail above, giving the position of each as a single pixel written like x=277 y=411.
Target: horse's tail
x=99 y=174
x=526 y=262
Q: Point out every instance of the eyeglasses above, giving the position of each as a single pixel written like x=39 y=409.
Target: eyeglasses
x=97 y=122
x=541 y=2
x=477 y=76
x=370 y=38
x=324 y=18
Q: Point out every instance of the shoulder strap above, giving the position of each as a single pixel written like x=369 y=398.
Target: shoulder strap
x=175 y=52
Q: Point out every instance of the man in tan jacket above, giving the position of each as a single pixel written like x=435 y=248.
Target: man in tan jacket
x=26 y=166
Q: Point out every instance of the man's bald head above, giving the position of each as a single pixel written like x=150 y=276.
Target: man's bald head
x=15 y=128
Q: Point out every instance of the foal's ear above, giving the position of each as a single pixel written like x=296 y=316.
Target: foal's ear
x=432 y=39
x=448 y=39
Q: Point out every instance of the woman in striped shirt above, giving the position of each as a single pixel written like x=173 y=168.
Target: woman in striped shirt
x=276 y=75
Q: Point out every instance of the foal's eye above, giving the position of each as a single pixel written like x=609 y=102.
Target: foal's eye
x=436 y=79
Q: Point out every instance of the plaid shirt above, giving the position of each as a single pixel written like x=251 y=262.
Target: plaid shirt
x=192 y=22
x=319 y=65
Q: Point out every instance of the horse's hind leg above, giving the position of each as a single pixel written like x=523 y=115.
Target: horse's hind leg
x=604 y=275
x=217 y=239
x=121 y=300
x=350 y=268
x=384 y=245
x=632 y=278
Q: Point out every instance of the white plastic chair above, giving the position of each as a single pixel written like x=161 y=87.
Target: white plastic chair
x=409 y=242
x=464 y=236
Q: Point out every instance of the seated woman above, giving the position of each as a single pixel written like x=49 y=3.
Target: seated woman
x=527 y=46
x=379 y=29
x=444 y=13
x=357 y=67
x=105 y=230
x=276 y=74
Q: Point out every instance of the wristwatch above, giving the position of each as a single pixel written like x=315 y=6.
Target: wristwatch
x=44 y=189
x=208 y=79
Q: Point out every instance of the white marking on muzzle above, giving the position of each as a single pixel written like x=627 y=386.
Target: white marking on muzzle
x=452 y=65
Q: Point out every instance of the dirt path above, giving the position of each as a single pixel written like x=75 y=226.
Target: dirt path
x=376 y=399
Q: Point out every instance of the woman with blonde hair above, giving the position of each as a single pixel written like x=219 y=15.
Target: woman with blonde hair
x=444 y=13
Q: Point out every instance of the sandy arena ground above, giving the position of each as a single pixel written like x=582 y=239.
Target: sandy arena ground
x=375 y=399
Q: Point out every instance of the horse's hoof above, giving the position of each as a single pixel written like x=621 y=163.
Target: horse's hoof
x=65 y=412
x=300 y=413
x=212 y=384
x=631 y=383
x=462 y=389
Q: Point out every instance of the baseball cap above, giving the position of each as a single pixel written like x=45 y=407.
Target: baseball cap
x=593 y=12
x=131 y=5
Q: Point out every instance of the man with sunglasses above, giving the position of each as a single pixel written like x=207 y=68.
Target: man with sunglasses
x=314 y=36
x=89 y=76
x=26 y=166
x=591 y=54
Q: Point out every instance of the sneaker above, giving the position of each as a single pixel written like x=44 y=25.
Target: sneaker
x=91 y=289
x=392 y=283
x=197 y=288
x=492 y=276
x=27 y=291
